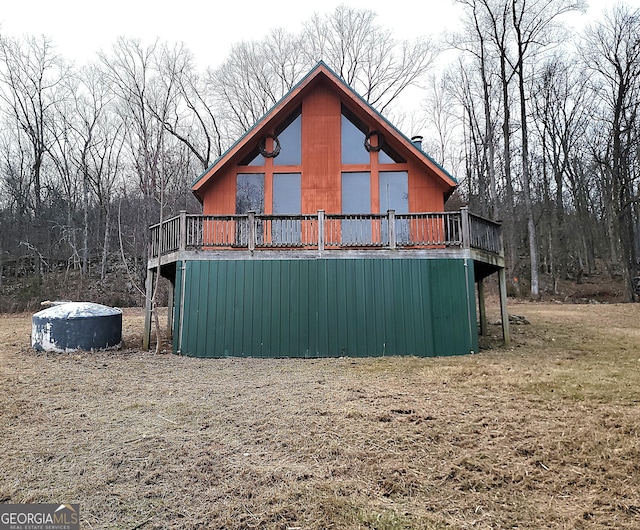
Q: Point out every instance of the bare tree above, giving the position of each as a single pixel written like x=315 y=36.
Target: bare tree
x=191 y=116
x=534 y=23
x=562 y=111
x=612 y=51
x=31 y=76
x=366 y=55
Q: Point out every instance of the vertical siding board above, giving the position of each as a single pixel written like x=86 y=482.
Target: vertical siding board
x=399 y=317
x=256 y=308
x=356 y=307
x=273 y=340
x=242 y=302
x=246 y=309
x=373 y=303
x=390 y=307
x=426 y=324
x=339 y=315
x=405 y=287
x=265 y=310
x=298 y=312
x=371 y=300
x=282 y=317
x=222 y=308
x=192 y=309
x=327 y=339
x=304 y=310
x=205 y=304
x=410 y=312
x=415 y=295
x=309 y=298
x=436 y=308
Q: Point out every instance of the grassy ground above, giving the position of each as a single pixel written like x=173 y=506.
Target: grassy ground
x=545 y=434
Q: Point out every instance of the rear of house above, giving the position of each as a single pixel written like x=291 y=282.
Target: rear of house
x=323 y=233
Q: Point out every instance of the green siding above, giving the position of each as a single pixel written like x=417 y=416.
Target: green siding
x=325 y=307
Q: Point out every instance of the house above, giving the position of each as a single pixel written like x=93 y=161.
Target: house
x=323 y=233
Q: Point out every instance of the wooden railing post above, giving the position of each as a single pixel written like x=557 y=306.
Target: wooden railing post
x=466 y=231
x=152 y=242
x=182 y=241
x=392 y=228
x=252 y=231
x=320 y=230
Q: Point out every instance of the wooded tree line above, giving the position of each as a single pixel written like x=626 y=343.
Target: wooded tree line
x=539 y=126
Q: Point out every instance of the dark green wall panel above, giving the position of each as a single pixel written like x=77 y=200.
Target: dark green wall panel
x=325 y=307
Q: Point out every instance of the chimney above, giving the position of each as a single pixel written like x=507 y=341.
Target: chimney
x=417 y=141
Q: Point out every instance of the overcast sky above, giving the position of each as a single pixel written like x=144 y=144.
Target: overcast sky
x=80 y=28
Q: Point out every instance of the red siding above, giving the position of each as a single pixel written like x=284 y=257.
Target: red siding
x=321 y=183
x=321 y=166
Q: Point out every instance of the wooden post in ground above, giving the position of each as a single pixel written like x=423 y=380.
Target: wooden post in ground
x=481 y=308
x=502 y=281
x=146 y=334
x=170 y=305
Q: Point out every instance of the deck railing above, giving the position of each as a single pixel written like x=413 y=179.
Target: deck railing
x=325 y=232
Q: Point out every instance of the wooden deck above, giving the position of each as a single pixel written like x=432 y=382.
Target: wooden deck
x=216 y=235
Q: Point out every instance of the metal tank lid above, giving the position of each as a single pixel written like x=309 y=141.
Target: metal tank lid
x=69 y=310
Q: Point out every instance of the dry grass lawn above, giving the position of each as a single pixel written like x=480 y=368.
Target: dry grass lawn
x=545 y=434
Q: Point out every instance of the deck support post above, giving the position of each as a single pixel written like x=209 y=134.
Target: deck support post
x=146 y=334
x=170 y=305
x=482 y=308
x=502 y=281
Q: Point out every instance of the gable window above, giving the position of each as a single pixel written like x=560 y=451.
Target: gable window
x=394 y=195
x=287 y=200
x=352 y=140
x=290 y=140
x=249 y=198
x=356 y=199
x=250 y=193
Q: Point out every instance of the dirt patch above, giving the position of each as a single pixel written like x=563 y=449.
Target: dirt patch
x=545 y=434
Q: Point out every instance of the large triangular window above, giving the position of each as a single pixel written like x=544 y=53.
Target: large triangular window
x=288 y=138
x=352 y=140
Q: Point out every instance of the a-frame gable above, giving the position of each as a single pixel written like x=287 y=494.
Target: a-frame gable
x=321 y=74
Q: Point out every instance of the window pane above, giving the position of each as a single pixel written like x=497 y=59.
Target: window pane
x=290 y=144
x=286 y=193
x=394 y=191
x=394 y=195
x=257 y=161
x=252 y=159
x=356 y=199
x=353 y=151
x=250 y=193
x=286 y=200
x=249 y=198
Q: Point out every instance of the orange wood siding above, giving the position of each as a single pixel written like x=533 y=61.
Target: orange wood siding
x=220 y=194
x=321 y=181
x=425 y=195
x=322 y=168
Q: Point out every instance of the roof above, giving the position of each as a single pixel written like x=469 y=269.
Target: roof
x=320 y=72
